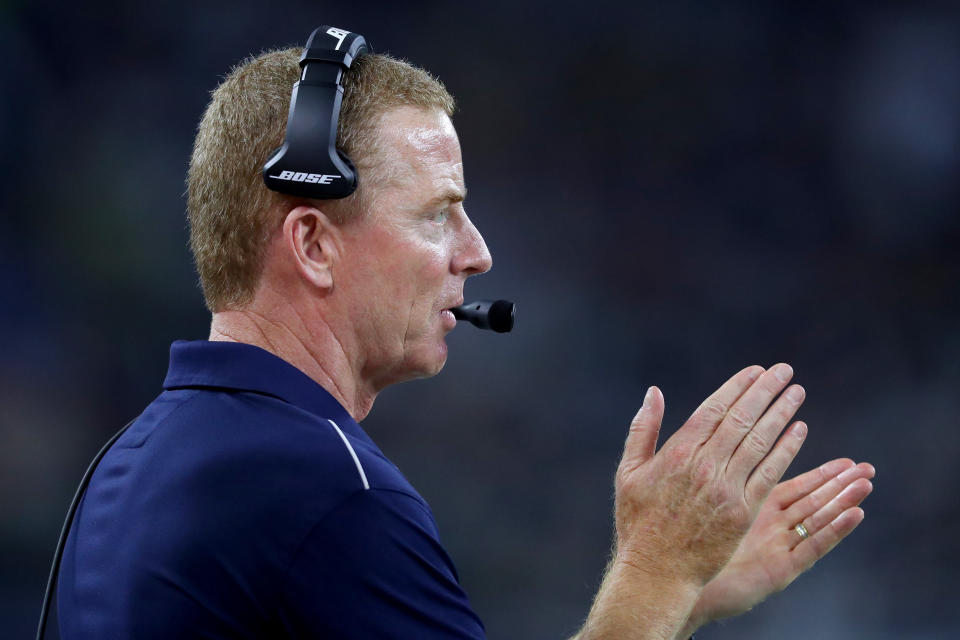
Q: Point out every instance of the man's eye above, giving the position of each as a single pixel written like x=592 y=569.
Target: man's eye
x=439 y=216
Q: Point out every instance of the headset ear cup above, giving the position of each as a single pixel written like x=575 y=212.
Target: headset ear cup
x=308 y=164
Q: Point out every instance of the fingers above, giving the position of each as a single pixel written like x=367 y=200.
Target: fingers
x=826 y=496
x=786 y=493
x=771 y=469
x=820 y=543
x=644 y=430
x=852 y=496
x=745 y=413
x=708 y=415
x=830 y=512
x=757 y=443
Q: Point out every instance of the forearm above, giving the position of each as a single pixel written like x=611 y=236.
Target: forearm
x=634 y=604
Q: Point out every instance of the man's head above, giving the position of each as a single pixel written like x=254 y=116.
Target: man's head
x=377 y=271
x=232 y=214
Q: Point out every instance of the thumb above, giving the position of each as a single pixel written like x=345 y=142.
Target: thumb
x=644 y=430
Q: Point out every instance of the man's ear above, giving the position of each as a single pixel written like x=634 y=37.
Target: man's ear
x=312 y=240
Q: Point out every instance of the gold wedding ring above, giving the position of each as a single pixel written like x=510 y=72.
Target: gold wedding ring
x=801 y=531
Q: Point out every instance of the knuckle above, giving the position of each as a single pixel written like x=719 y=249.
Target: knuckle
x=740 y=418
x=704 y=472
x=679 y=454
x=790 y=448
x=641 y=421
x=772 y=385
x=782 y=412
x=769 y=474
x=636 y=428
x=756 y=443
x=771 y=382
x=724 y=497
x=713 y=409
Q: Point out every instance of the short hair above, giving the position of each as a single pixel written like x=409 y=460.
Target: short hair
x=232 y=214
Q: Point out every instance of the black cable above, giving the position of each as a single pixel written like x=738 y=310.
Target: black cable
x=54 y=568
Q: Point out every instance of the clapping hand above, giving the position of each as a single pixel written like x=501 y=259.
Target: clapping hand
x=773 y=553
x=683 y=511
x=706 y=509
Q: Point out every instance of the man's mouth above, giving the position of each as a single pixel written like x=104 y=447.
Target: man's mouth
x=448 y=320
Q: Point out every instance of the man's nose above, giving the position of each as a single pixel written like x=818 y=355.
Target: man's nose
x=473 y=257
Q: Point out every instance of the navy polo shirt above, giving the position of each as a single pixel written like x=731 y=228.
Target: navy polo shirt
x=245 y=502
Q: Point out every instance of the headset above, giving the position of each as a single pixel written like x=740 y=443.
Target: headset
x=308 y=165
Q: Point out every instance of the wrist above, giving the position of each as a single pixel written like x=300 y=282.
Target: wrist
x=660 y=583
x=659 y=568
x=637 y=601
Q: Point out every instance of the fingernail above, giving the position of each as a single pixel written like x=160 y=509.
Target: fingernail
x=783 y=372
x=646 y=398
x=800 y=431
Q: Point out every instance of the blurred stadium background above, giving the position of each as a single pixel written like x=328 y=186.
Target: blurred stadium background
x=671 y=191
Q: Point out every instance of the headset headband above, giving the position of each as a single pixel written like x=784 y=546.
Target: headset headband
x=309 y=164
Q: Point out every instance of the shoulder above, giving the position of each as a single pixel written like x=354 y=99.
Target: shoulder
x=375 y=567
x=216 y=447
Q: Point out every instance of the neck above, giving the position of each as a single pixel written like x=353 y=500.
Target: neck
x=318 y=353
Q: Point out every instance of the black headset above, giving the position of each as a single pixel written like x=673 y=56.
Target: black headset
x=303 y=168
x=309 y=164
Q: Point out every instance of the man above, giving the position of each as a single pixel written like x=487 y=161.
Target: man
x=247 y=502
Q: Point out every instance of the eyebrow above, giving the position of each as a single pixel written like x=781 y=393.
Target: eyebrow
x=450 y=195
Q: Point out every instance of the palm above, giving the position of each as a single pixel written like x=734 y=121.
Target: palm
x=772 y=554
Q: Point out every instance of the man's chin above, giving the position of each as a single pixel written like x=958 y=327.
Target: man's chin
x=433 y=365
x=424 y=364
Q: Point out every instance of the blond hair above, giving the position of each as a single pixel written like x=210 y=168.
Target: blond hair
x=232 y=214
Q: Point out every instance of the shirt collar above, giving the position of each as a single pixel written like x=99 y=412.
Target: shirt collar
x=245 y=367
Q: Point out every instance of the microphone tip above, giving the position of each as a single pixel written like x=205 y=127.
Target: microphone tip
x=502 y=315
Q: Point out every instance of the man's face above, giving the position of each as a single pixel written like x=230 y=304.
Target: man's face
x=406 y=262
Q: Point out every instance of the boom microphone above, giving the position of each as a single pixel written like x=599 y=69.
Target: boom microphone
x=496 y=315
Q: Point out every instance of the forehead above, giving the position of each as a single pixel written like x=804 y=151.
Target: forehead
x=424 y=149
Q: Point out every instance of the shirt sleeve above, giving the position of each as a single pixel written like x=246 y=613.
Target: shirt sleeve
x=374 y=568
